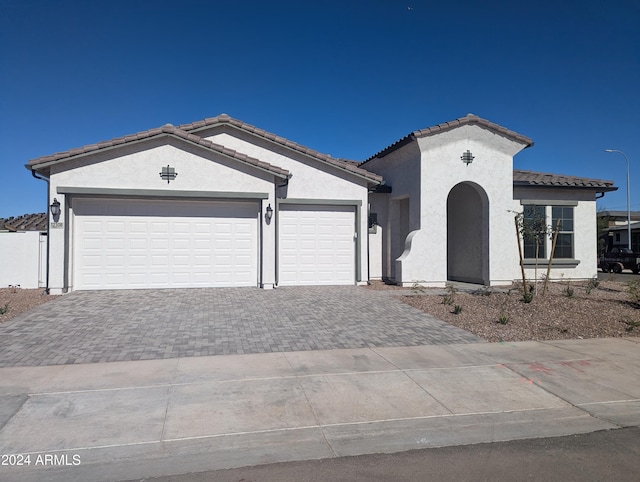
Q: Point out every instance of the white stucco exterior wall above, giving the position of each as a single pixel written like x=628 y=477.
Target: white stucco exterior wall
x=426 y=170
x=310 y=179
x=401 y=170
x=137 y=167
x=585 y=231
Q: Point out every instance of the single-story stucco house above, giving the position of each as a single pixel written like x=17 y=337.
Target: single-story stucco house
x=223 y=203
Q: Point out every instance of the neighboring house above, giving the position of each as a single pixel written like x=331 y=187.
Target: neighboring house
x=222 y=203
x=23 y=251
x=616 y=233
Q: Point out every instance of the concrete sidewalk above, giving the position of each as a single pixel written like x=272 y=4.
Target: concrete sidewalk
x=127 y=420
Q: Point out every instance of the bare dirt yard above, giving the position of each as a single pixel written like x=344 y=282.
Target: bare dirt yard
x=568 y=310
x=14 y=301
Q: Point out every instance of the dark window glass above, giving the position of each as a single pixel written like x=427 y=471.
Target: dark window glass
x=534 y=220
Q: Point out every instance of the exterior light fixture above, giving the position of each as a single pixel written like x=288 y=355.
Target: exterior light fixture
x=168 y=173
x=467 y=157
x=269 y=214
x=55 y=210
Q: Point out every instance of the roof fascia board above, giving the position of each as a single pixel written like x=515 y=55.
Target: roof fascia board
x=547 y=202
x=526 y=184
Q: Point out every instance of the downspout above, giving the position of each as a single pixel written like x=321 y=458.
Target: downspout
x=46 y=179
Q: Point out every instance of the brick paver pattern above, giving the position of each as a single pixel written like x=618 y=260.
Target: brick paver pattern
x=105 y=326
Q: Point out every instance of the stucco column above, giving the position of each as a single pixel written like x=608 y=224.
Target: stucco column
x=57 y=243
x=268 y=251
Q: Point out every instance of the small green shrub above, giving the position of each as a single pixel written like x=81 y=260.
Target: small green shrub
x=568 y=292
x=417 y=288
x=631 y=324
x=4 y=309
x=447 y=300
x=457 y=309
x=633 y=290
x=592 y=285
x=484 y=291
x=527 y=297
x=595 y=282
x=503 y=319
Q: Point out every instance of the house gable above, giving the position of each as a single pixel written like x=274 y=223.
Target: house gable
x=468 y=120
x=140 y=141
x=214 y=128
x=139 y=166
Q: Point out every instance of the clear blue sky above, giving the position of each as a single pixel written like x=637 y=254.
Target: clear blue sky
x=345 y=77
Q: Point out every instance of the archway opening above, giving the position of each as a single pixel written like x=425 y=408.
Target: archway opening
x=468 y=234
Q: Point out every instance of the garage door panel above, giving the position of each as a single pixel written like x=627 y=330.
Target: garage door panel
x=136 y=279
x=93 y=227
x=160 y=228
x=181 y=228
x=316 y=245
x=92 y=243
x=123 y=244
x=181 y=245
x=137 y=227
x=92 y=260
x=181 y=262
x=137 y=261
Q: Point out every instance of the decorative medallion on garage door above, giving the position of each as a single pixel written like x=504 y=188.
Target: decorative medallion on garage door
x=168 y=173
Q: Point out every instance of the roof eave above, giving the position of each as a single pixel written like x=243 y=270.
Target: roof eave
x=564 y=186
x=47 y=164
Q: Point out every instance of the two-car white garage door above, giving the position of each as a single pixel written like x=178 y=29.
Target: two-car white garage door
x=123 y=244
x=128 y=244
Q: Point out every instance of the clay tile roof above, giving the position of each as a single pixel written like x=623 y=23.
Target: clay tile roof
x=35 y=164
x=531 y=178
x=222 y=119
x=26 y=222
x=469 y=119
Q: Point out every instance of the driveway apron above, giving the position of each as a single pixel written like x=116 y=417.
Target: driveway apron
x=105 y=326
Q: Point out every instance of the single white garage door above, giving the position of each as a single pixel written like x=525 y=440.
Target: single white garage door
x=317 y=245
x=126 y=244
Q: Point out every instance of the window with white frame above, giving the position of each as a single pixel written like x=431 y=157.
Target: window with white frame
x=535 y=218
x=564 y=244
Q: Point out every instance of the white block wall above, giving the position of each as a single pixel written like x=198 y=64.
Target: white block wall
x=22 y=259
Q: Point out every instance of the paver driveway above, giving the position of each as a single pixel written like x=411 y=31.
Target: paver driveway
x=103 y=326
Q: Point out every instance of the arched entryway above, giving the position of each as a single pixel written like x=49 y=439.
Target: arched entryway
x=468 y=234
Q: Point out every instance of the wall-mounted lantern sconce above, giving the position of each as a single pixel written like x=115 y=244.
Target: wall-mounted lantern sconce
x=168 y=173
x=467 y=157
x=55 y=210
x=269 y=213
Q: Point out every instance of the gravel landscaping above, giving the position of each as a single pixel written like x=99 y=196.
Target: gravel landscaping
x=17 y=300
x=568 y=310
